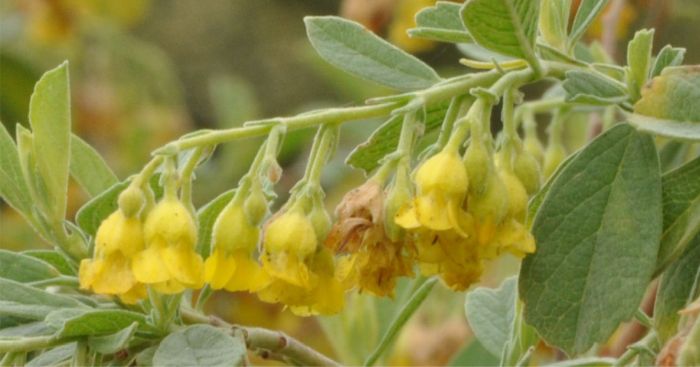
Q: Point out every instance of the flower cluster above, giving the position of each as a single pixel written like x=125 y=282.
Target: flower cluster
x=458 y=212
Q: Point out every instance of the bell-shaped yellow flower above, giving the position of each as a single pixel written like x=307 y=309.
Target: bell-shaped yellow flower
x=288 y=242
x=230 y=264
x=169 y=261
x=109 y=272
x=442 y=184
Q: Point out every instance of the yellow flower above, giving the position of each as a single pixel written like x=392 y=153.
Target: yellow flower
x=288 y=242
x=230 y=264
x=325 y=296
x=442 y=185
x=109 y=272
x=169 y=261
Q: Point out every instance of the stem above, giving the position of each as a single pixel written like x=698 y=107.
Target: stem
x=186 y=178
x=28 y=344
x=262 y=127
x=8 y=359
x=273 y=344
x=397 y=324
x=643 y=319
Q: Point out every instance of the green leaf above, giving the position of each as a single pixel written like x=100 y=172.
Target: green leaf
x=587 y=12
x=688 y=131
x=668 y=56
x=23 y=268
x=13 y=188
x=681 y=208
x=75 y=322
x=36 y=328
x=597 y=235
x=475 y=355
x=54 y=357
x=441 y=22
x=349 y=46
x=206 y=217
x=639 y=60
x=536 y=201
x=508 y=27
x=490 y=313
x=200 y=345
x=385 y=139
x=593 y=88
x=55 y=259
x=89 y=169
x=50 y=119
x=676 y=291
x=112 y=343
x=672 y=95
x=554 y=22
x=19 y=300
x=586 y=362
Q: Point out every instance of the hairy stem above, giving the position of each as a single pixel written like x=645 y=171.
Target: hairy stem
x=268 y=343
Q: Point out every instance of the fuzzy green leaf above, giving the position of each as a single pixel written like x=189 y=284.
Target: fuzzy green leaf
x=23 y=268
x=639 y=60
x=597 y=235
x=591 y=88
x=50 y=119
x=587 y=12
x=681 y=203
x=55 y=259
x=688 y=131
x=200 y=345
x=508 y=27
x=667 y=57
x=19 y=300
x=385 y=139
x=490 y=313
x=676 y=290
x=673 y=95
x=13 y=188
x=58 y=356
x=350 y=47
x=441 y=22
x=89 y=169
x=72 y=322
x=554 y=22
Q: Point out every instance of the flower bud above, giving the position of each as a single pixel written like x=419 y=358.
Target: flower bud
x=528 y=171
x=492 y=203
x=291 y=232
x=171 y=222
x=119 y=233
x=234 y=231
x=553 y=157
x=517 y=195
x=443 y=172
x=320 y=219
x=399 y=196
x=478 y=164
x=131 y=200
x=255 y=205
x=533 y=146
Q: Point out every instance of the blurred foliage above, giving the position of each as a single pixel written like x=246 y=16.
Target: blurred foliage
x=146 y=71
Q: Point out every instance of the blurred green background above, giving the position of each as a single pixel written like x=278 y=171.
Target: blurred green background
x=144 y=72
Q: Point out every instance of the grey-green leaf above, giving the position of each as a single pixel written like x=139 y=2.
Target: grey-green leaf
x=554 y=22
x=349 y=46
x=385 y=139
x=441 y=22
x=508 y=27
x=19 y=300
x=57 y=260
x=588 y=11
x=89 y=169
x=490 y=313
x=112 y=343
x=668 y=56
x=58 y=356
x=676 y=290
x=24 y=268
x=72 y=322
x=597 y=235
x=593 y=88
x=639 y=60
x=678 y=130
x=200 y=345
x=50 y=119
x=13 y=188
x=681 y=208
